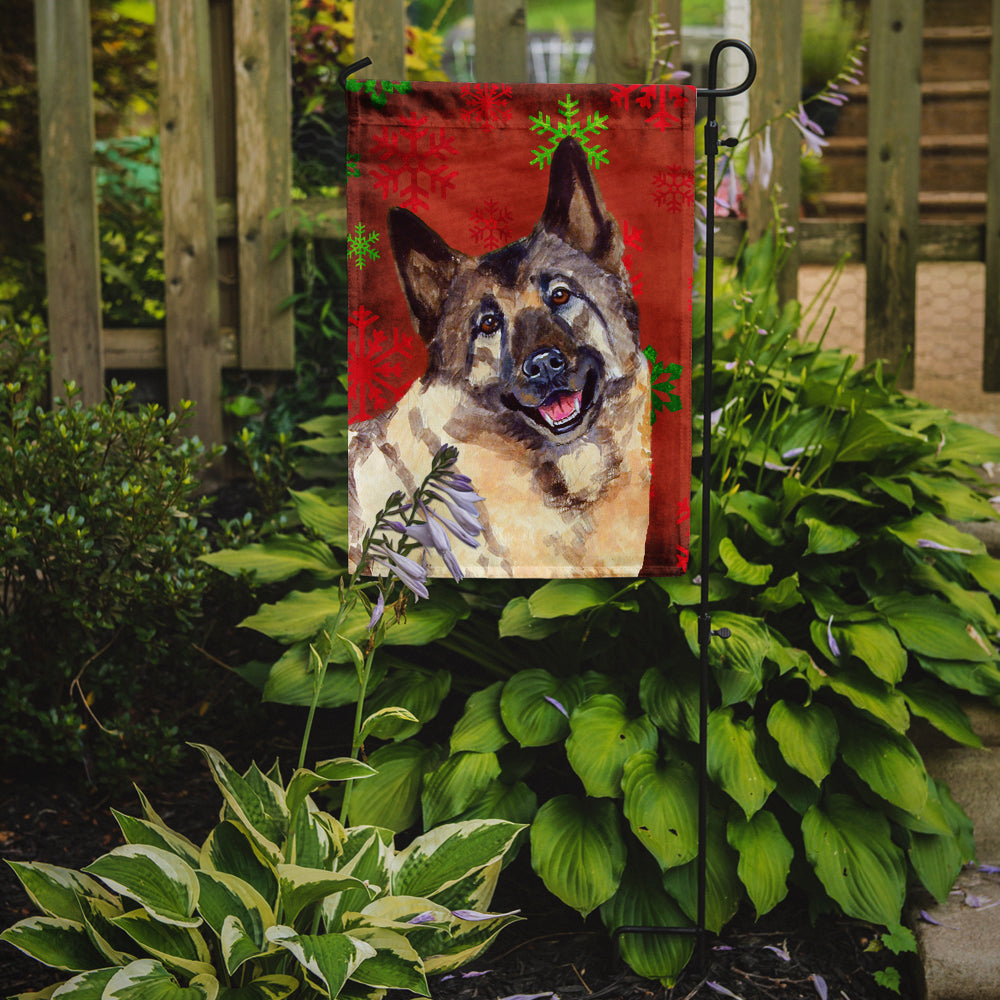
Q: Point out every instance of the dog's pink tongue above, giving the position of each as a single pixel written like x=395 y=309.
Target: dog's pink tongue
x=562 y=408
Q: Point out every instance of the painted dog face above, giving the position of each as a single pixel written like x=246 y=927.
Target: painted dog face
x=542 y=334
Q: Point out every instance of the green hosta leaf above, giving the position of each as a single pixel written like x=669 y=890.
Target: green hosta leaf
x=388 y=722
x=301 y=887
x=578 y=851
x=661 y=798
x=54 y=941
x=559 y=598
x=807 y=736
x=163 y=884
x=415 y=689
x=141 y=831
x=391 y=798
x=888 y=763
x=783 y=595
x=641 y=901
x=395 y=964
x=292 y=680
x=864 y=692
x=738 y=569
x=937 y=859
x=517 y=620
x=147 y=979
x=481 y=728
x=528 y=711
x=275 y=987
x=850 y=847
x=976 y=678
x=180 y=948
x=758 y=511
x=602 y=738
x=975 y=605
x=957 y=501
x=893 y=488
x=230 y=849
x=279 y=558
x=226 y=898
x=515 y=803
x=732 y=760
x=928 y=528
x=986 y=571
x=260 y=806
x=828 y=539
x=304 y=782
x=56 y=891
x=965 y=443
x=738 y=661
x=723 y=889
x=876 y=646
x=684 y=593
x=330 y=959
x=765 y=858
x=931 y=628
x=456 y=784
x=671 y=699
x=327 y=520
x=941 y=709
x=438 y=859
x=870 y=436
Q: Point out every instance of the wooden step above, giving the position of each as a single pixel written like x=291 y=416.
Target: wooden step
x=956 y=53
x=958 y=206
x=944 y=104
x=940 y=13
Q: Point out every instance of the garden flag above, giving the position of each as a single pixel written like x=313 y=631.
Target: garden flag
x=520 y=275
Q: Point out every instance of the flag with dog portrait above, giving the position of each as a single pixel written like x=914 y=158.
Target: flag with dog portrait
x=520 y=272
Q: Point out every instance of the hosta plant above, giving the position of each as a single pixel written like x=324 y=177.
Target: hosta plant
x=279 y=900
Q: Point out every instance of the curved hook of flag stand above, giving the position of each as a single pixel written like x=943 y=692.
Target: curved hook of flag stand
x=705 y=631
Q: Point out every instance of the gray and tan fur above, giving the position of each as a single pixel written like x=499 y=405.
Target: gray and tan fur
x=535 y=373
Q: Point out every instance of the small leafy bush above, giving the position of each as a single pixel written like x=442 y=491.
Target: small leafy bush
x=100 y=584
x=280 y=899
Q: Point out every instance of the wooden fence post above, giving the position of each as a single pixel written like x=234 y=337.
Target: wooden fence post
x=621 y=40
x=72 y=255
x=380 y=34
x=991 y=332
x=776 y=35
x=262 y=61
x=892 y=215
x=190 y=252
x=501 y=41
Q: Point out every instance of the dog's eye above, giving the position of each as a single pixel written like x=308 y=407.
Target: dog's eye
x=489 y=324
x=559 y=295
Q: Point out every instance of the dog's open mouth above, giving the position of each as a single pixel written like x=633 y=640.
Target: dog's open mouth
x=562 y=410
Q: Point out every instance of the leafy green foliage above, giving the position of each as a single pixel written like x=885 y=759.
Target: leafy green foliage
x=279 y=899
x=99 y=541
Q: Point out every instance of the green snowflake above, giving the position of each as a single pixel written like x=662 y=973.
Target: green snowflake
x=583 y=132
x=661 y=395
x=353 y=165
x=378 y=91
x=361 y=245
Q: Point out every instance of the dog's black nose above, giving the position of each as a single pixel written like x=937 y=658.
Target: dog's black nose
x=547 y=363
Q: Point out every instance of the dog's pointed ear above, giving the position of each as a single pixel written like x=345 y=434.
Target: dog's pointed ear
x=426 y=267
x=575 y=211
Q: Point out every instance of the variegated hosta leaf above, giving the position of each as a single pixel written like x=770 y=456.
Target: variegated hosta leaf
x=54 y=941
x=315 y=838
x=578 y=851
x=661 y=799
x=807 y=736
x=177 y=947
x=141 y=831
x=466 y=941
x=642 y=902
x=535 y=706
x=158 y=880
x=98 y=915
x=395 y=964
x=147 y=979
x=56 y=891
x=274 y=987
x=87 y=986
x=888 y=763
x=329 y=959
x=304 y=782
x=225 y=897
x=256 y=801
x=301 y=887
x=765 y=858
x=732 y=760
x=367 y=853
x=230 y=849
x=441 y=857
x=481 y=727
x=850 y=847
x=456 y=784
x=602 y=737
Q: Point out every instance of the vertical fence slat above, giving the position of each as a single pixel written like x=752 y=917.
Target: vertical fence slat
x=776 y=35
x=669 y=11
x=190 y=253
x=991 y=333
x=501 y=41
x=621 y=40
x=72 y=257
x=380 y=34
x=261 y=57
x=892 y=215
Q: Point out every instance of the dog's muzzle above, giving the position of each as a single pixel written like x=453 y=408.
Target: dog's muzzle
x=552 y=392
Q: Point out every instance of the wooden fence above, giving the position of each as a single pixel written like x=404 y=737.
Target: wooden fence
x=226 y=160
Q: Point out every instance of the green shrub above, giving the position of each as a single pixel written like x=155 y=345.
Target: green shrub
x=280 y=899
x=99 y=541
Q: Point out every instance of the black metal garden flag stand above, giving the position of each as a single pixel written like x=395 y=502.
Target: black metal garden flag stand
x=705 y=631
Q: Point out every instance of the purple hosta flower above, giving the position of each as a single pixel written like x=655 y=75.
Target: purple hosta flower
x=927 y=543
x=990 y=869
x=719 y=988
x=475 y=915
x=834 y=648
x=727 y=197
x=760 y=166
x=465 y=975
x=558 y=705
x=461 y=502
x=427 y=917
x=820 y=983
x=812 y=134
x=377 y=611
x=409 y=572
x=780 y=952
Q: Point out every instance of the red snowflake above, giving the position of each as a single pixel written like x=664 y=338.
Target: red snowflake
x=633 y=239
x=650 y=93
x=375 y=377
x=412 y=161
x=673 y=188
x=490 y=225
x=486 y=103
